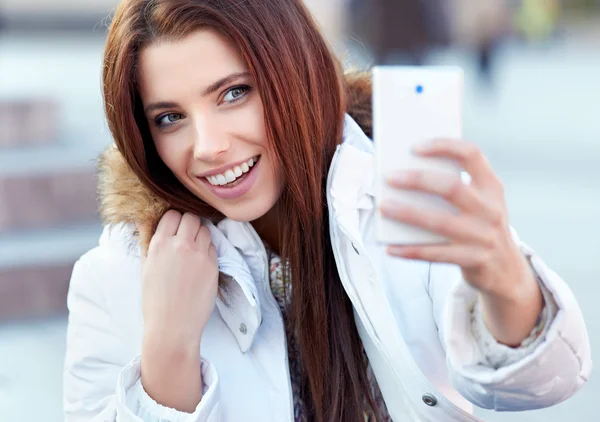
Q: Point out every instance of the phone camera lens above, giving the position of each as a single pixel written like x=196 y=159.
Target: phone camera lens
x=419 y=89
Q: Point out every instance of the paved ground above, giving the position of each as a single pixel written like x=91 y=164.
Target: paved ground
x=541 y=131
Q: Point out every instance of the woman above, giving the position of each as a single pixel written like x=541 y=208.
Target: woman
x=237 y=278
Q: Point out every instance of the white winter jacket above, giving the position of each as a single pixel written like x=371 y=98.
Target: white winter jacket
x=417 y=321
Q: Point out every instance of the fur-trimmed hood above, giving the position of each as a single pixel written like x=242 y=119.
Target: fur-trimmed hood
x=123 y=198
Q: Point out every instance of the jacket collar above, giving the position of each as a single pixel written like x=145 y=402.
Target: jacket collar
x=241 y=254
x=351 y=178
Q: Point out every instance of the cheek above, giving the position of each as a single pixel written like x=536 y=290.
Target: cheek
x=254 y=121
x=173 y=155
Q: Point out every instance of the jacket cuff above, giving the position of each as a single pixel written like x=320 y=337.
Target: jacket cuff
x=497 y=354
x=552 y=371
x=133 y=400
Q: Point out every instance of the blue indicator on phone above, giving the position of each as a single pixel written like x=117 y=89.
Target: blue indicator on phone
x=419 y=89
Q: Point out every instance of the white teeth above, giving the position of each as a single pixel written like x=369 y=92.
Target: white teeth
x=221 y=179
x=232 y=174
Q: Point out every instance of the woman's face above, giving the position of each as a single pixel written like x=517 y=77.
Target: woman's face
x=206 y=119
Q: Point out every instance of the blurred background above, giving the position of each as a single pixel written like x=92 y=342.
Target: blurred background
x=532 y=101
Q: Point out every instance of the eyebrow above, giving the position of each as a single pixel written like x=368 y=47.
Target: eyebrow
x=207 y=91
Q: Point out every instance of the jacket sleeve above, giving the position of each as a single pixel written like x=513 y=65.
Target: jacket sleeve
x=539 y=374
x=100 y=383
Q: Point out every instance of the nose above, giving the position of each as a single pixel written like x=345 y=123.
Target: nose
x=210 y=140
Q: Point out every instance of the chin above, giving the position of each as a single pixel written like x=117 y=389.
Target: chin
x=246 y=213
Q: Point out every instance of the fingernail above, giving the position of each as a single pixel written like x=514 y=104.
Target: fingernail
x=397 y=250
x=399 y=177
x=423 y=146
x=389 y=207
x=385 y=207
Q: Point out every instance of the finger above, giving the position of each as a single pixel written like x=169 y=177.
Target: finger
x=203 y=238
x=189 y=226
x=168 y=224
x=447 y=185
x=456 y=228
x=468 y=155
x=212 y=252
x=463 y=256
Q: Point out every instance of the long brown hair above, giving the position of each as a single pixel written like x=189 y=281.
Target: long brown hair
x=303 y=93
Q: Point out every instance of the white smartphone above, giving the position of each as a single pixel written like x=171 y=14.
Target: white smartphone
x=411 y=105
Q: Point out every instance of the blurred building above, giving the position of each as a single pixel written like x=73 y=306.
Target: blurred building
x=51 y=128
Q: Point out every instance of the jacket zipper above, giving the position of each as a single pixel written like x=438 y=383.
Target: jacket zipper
x=343 y=274
x=273 y=303
x=448 y=405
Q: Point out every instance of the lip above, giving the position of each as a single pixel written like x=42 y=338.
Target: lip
x=223 y=169
x=236 y=191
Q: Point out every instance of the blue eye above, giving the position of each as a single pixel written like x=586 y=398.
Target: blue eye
x=165 y=120
x=236 y=93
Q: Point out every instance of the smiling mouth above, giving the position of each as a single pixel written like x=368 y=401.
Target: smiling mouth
x=233 y=176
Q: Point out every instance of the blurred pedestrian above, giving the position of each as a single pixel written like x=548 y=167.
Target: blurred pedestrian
x=481 y=26
x=400 y=31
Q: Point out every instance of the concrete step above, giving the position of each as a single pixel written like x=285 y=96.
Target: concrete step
x=28 y=122
x=36 y=266
x=47 y=199
x=46 y=159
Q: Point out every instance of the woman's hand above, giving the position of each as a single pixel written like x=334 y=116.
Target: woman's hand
x=479 y=236
x=179 y=290
x=180 y=279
